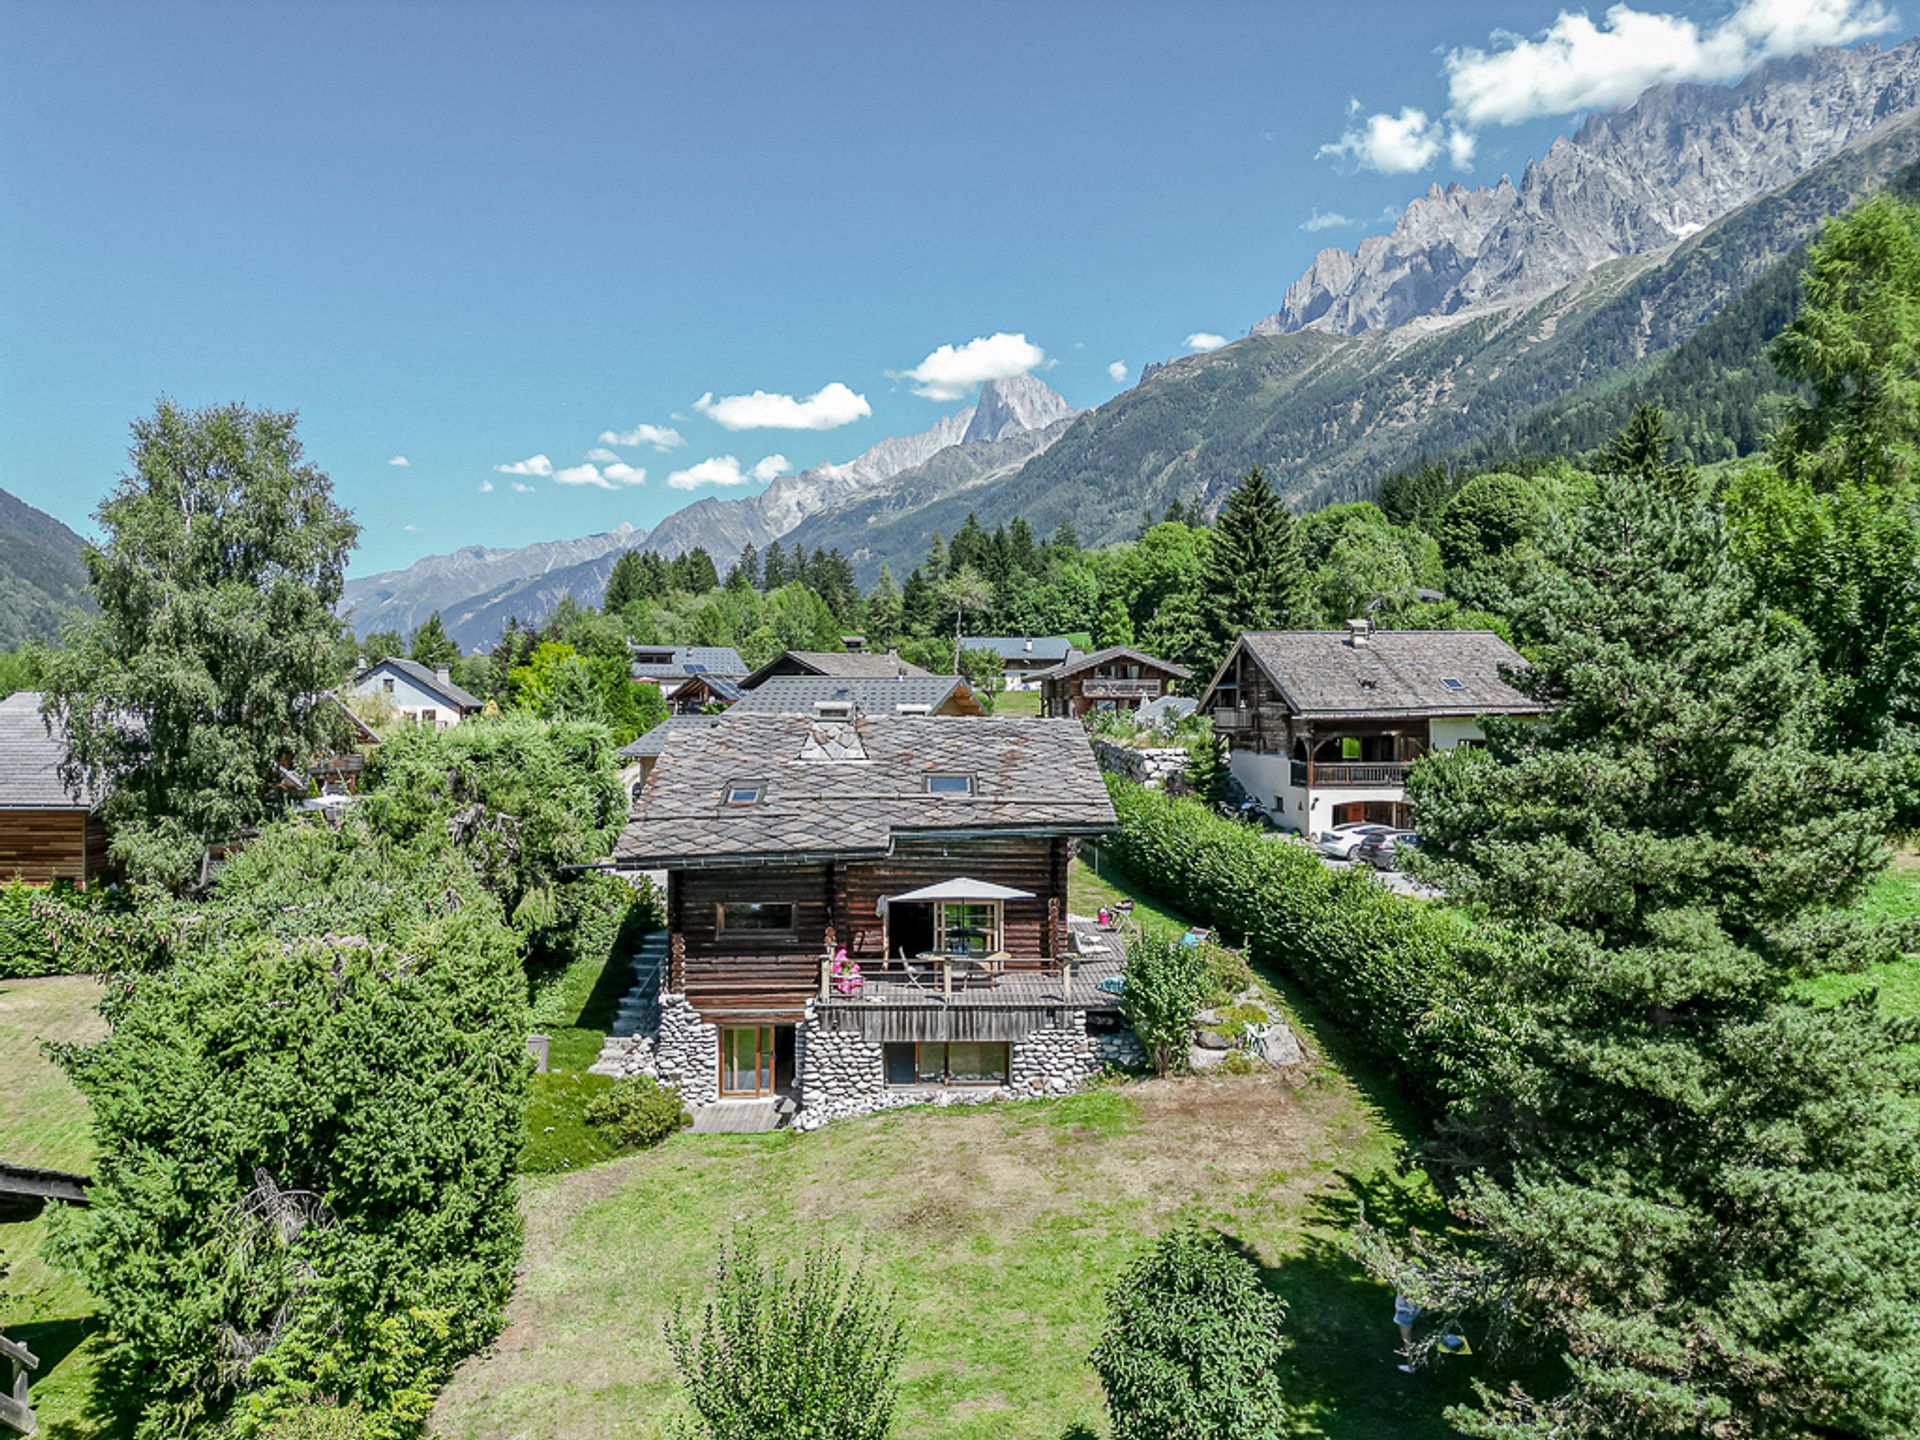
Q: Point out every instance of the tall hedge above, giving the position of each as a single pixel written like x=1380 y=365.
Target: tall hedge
x=34 y=923
x=307 y=1126
x=1399 y=975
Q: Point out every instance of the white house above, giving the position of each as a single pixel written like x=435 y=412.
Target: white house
x=421 y=694
x=1322 y=724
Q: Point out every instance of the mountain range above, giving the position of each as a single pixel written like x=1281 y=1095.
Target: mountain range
x=1650 y=255
x=42 y=574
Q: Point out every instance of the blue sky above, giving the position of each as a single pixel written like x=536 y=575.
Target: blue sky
x=476 y=234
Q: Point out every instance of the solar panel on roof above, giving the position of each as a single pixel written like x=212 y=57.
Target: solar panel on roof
x=694 y=667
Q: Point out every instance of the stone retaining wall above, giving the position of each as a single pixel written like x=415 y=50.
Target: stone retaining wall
x=1145 y=767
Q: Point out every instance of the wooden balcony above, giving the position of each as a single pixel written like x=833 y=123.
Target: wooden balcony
x=959 y=980
x=1104 y=689
x=1355 y=774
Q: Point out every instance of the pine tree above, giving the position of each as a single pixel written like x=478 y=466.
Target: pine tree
x=431 y=644
x=1064 y=537
x=749 y=565
x=1176 y=512
x=1114 y=626
x=1692 y=1188
x=774 y=567
x=626 y=584
x=1255 y=576
x=693 y=572
x=1022 y=553
x=883 y=608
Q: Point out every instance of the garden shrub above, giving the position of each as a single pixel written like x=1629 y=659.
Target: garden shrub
x=1191 y=1345
x=1400 y=975
x=37 y=925
x=637 y=1113
x=307 y=1126
x=810 y=1356
x=1166 y=985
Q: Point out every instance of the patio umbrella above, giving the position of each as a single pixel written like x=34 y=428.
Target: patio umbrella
x=961 y=889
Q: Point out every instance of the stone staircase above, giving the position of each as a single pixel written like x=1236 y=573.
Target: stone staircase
x=637 y=1019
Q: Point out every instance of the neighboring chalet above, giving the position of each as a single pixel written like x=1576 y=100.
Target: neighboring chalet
x=419 y=693
x=833 y=695
x=701 y=694
x=1116 y=678
x=931 y=850
x=1323 y=723
x=638 y=757
x=850 y=665
x=47 y=832
x=1023 y=657
x=672 y=666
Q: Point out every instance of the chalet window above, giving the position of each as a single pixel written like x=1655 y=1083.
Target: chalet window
x=745 y=792
x=429 y=716
x=757 y=917
x=967 y=927
x=387 y=685
x=947 y=1063
x=950 y=784
x=1452 y=684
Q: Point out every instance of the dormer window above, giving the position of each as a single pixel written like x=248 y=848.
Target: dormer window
x=745 y=792
x=922 y=709
x=949 y=784
x=833 y=707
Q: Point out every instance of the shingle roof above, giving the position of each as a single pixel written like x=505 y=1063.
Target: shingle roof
x=690 y=660
x=655 y=740
x=426 y=679
x=1015 y=647
x=842 y=664
x=30 y=760
x=850 y=787
x=1113 y=652
x=797 y=694
x=1402 y=672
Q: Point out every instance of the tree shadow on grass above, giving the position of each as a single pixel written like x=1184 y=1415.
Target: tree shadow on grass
x=1340 y=1372
x=616 y=976
x=107 y=1413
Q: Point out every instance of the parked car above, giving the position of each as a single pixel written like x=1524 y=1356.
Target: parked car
x=1383 y=851
x=1341 y=841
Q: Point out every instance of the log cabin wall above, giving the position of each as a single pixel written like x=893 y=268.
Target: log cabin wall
x=1021 y=864
x=742 y=974
x=41 y=846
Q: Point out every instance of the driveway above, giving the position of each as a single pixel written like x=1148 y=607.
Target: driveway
x=1394 y=880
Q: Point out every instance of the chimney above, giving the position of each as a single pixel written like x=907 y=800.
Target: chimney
x=443 y=674
x=1028 y=647
x=1358 y=632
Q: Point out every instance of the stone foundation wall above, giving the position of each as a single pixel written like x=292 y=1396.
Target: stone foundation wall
x=686 y=1053
x=1146 y=767
x=1055 y=1061
x=840 y=1074
x=1121 y=1048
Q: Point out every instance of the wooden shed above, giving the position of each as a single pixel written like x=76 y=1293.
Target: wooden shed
x=47 y=831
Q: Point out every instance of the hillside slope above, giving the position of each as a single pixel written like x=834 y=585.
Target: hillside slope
x=42 y=575
x=1328 y=415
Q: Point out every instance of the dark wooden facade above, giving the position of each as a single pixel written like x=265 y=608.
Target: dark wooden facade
x=42 y=846
x=1121 y=684
x=735 y=977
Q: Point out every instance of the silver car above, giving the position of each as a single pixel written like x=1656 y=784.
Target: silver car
x=1342 y=841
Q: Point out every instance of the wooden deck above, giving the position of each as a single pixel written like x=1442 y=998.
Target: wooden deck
x=1019 y=986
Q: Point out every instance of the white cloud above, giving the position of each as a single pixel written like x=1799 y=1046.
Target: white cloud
x=582 y=475
x=725 y=471
x=603 y=455
x=523 y=487
x=532 y=465
x=827 y=408
x=400 y=460
x=1392 y=144
x=1117 y=370
x=486 y=487
x=1205 y=340
x=952 y=370
x=660 y=437
x=1579 y=65
x=1576 y=64
x=1332 y=220
x=622 y=473
x=411 y=529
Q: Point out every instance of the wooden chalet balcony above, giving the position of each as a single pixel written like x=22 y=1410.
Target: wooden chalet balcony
x=1102 y=689
x=1353 y=774
x=960 y=980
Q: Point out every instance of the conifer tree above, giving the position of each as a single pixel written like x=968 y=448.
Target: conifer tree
x=749 y=565
x=626 y=584
x=1255 y=576
x=1698 y=1184
x=432 y=645
x=774 y=567
x=883 y=608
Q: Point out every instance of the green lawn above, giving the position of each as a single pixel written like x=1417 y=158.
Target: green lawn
x=43 y=1121
x=1017 y=702
x=1895 y=896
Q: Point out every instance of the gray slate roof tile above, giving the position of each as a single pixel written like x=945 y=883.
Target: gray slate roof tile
x=30 y=760
x=797 y=694
x=1321 y=672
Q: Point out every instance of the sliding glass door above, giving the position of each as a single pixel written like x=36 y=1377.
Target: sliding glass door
x=746 y=1060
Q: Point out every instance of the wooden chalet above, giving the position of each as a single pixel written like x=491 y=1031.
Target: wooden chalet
x=868 y=901
x=674 y=667
x=48 y=832
x=1116 y=678
x=830 y=695
x=1323 y=724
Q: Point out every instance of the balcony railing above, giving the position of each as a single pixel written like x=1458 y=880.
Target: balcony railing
x=932 y=975
x=1359 y=774
x=1101 y=688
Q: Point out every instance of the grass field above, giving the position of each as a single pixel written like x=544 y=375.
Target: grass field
x=1895 y=896
x=999 y=1227
x=1017 y=702
x=43 y=1121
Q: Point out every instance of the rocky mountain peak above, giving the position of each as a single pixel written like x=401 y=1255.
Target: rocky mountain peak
x=1626 y=183
x=1020 y=402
